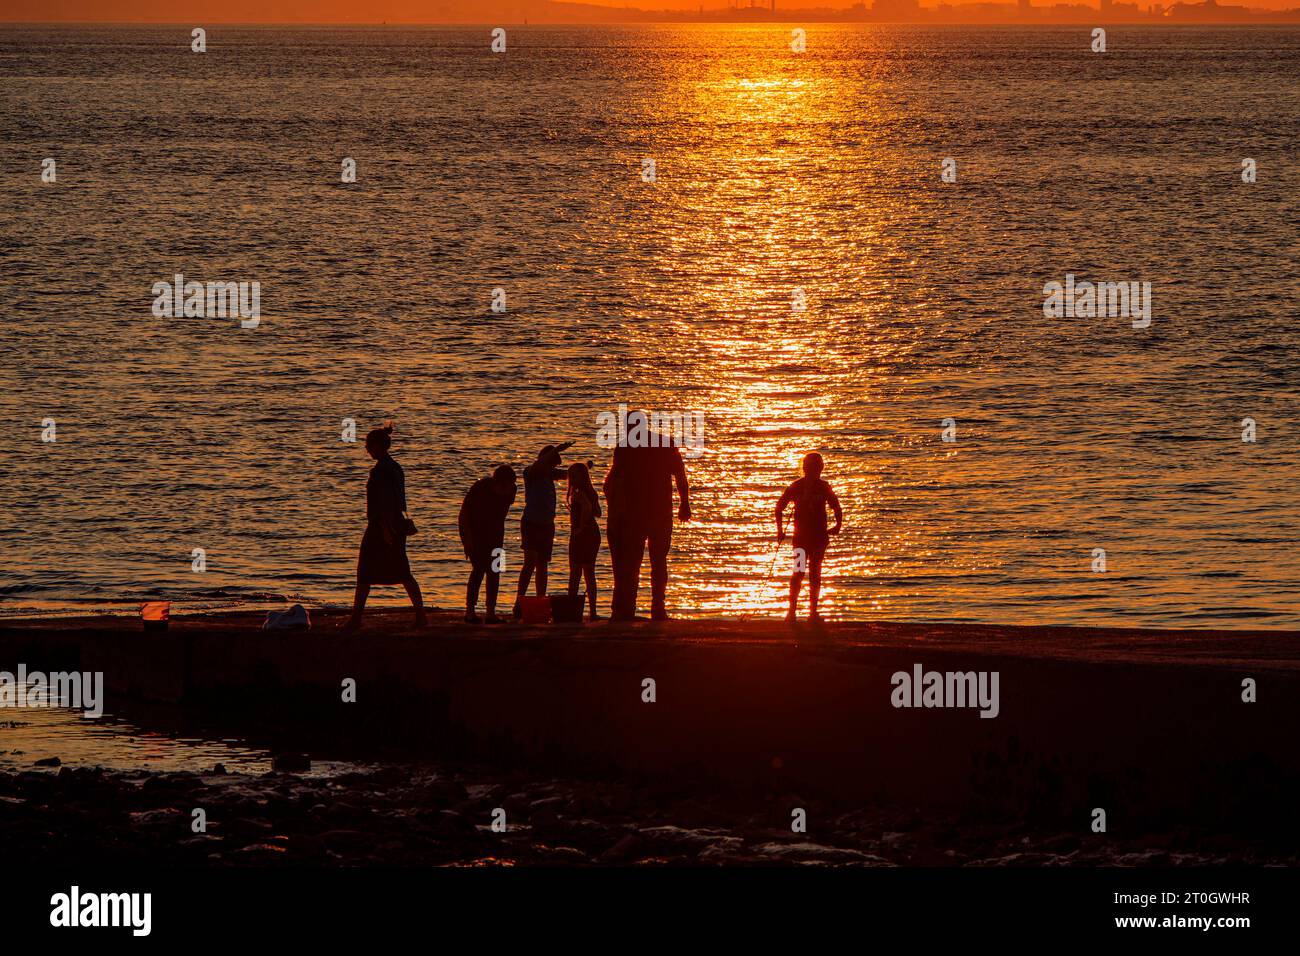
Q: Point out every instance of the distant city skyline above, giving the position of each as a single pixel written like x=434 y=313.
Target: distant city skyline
x=544 y=11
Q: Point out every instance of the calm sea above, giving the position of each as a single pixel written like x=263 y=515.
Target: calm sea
x=775 y=172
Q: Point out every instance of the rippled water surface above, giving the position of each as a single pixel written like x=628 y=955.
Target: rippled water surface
x=775 y=172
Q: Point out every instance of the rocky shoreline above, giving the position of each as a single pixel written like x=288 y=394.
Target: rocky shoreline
x=414 y=815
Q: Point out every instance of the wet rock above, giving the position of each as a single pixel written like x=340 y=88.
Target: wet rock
x=455 y=826
x=475 y=808
x=1145 y=858
x=248 y=828
x=307 y=845
x=352 y=779
x=1061 y=843
x=48 y=762
x=165 y=817
x=681 y=838
x=200 y=841
x=344 y=841
x=701 y=813
x=562 y=855
x=258 y=854
x=731 y=850
x=339 y=813
x=591 y=836
x=1014 y=859
x=291 y=763
x=390 y=777
x=517 y=804
x=631 y=847
x=815 y=853
x=160 y=784
x=486 y=791
x=442 y=793
x=619 y=798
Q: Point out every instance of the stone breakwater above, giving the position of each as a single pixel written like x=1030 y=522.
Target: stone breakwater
x=1150 y=726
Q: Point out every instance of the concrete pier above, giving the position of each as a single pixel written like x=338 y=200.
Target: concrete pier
x=1147 y=724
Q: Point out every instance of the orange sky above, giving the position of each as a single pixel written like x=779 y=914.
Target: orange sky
x=370 y=11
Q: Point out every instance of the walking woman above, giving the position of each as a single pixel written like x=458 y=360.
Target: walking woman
x=383 y=546
x=584 y=532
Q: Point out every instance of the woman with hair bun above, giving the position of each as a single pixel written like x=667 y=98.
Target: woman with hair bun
x=383 y=547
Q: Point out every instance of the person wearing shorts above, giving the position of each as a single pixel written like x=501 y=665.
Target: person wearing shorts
x=537 y=526
x=639 y=500
x=810 y=496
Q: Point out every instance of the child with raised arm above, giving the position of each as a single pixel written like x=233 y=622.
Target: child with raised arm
x=537 y=524
x=810 y=497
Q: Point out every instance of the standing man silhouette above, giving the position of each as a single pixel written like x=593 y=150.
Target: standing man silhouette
x=639 y=500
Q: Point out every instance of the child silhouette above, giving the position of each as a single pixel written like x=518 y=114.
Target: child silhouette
x=810 y=497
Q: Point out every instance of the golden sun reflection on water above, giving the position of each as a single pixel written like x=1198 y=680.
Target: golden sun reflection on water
x=760 y=244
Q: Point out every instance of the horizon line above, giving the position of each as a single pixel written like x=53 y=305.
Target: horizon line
x=684 y=19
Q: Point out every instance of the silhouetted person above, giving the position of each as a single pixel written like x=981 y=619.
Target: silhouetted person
x=584 y=532
x=810 y=497
x=537 y=526
x=383 y=547
x=482 y=524
x=639 y=498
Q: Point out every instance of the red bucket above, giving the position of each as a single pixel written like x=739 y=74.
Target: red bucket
x=536 y=610
x=155 y=615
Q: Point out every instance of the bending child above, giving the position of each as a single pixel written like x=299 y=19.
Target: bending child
x=482 y=524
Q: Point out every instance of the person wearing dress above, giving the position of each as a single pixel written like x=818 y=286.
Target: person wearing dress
x=383 y=546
